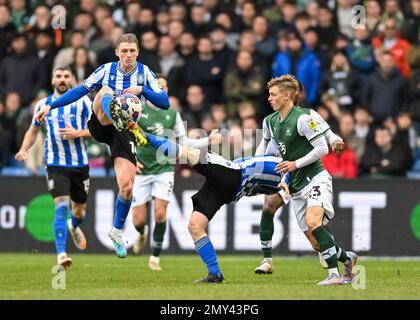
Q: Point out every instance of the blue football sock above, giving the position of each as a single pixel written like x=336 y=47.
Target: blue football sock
x=169 y=148
x=205 y=249
x=105 y=103
x=75 y=222
x=60 y=229
x=122 y=207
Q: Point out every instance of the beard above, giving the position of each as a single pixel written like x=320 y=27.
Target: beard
x=62 y=88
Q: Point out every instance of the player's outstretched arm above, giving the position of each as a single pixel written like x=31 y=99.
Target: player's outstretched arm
x=27 y=143
x=67 y=98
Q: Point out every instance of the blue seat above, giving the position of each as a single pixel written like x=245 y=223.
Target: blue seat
x=97 y=172
x=413 y=174
x=16 y=171
x=416 y=165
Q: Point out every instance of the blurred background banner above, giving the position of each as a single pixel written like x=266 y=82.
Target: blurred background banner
x=373 y=217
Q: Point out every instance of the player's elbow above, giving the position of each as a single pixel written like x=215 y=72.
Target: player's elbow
x=323 y=150
x=165 y=103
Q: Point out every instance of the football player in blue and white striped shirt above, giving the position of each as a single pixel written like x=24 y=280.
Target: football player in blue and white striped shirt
x=227 y=181
x=66 y=161
x=124 y=76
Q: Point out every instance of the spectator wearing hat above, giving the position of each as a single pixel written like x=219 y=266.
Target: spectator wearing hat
x=300 y=62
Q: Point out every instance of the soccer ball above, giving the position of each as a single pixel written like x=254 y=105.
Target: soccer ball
x=131 y=106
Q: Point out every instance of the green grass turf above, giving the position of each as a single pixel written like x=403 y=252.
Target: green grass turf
x=29 y=276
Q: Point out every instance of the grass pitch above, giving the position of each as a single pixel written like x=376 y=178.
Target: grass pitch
x=29 y=276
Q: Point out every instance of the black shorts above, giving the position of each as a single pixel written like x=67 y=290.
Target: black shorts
x=221 y=186
x=121 y=144
x=73 y=182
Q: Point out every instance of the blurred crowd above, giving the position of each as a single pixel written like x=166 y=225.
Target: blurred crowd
x=360 y=69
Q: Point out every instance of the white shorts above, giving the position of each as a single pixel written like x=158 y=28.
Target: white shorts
x=151 y=186
x=318 y=193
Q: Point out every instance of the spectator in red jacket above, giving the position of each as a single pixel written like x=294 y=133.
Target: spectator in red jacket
x=391 y=41
x=343 y=165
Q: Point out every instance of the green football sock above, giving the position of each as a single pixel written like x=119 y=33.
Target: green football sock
x=140 y=228
x=158 y=234
x=327 y=246
x=266 y=234
x=341 y=254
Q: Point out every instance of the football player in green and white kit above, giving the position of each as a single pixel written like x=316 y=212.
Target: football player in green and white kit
x=273 y=202
x=155 y=176
x=301 y=143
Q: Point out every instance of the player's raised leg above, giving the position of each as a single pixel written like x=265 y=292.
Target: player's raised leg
x=76 y=219
x=197 y=226
x=62 y=208
x=125 y=172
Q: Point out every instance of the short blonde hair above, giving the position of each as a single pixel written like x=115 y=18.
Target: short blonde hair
x=285 y=82
x=127 y=37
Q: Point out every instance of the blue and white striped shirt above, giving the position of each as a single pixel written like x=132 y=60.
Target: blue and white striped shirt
x=58 y=151
x=258 y=176
x=110 y=74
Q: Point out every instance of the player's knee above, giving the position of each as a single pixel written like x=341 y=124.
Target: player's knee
x=194 y=229
x=126 y=191
x=312 y=222
x=78 y=212
x=105 y=89
x=160 y=216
